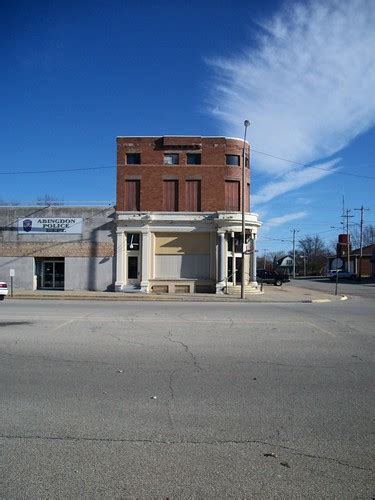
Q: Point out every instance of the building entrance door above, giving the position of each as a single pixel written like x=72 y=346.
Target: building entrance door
x=53 y=274
x=133 y=269
x=235 y=276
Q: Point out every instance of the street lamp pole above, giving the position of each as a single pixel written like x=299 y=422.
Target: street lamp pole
x=243 y=277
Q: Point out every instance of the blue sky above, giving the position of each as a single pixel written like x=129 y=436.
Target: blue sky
x=77 y=74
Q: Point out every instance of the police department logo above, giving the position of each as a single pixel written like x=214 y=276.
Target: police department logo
x=27 y=225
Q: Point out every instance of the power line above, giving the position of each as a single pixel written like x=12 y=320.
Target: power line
x=80 y=169
x=309 y=166
x=25 y=172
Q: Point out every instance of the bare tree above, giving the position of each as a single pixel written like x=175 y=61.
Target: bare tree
x=48 y=200
x=316 y=254
x=368 y=237
x=4 y=203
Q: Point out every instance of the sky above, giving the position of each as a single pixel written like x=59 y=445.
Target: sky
x=75 y=75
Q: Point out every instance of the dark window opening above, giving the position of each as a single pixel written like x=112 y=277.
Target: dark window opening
x=132 y=268
x=233 y=160
x=133 y=158
x=193 y=158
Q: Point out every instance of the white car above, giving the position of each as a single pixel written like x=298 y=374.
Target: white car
x=3 y=290
x=342 y=275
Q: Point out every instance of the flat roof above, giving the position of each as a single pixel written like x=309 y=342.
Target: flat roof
x=196 y=136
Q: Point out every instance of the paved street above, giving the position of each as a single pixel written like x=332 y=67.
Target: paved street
x=162 y=399
x=364 y=289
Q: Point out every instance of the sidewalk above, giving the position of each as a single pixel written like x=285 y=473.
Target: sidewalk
x=271 y=294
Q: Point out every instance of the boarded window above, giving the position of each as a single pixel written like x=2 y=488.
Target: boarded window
x=193 y=196
x=232 y=196
x=132 y=195
x=170 y=196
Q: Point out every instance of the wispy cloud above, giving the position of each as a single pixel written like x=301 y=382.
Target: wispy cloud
x=307 y=86
x=283 y=219
x=292 y=180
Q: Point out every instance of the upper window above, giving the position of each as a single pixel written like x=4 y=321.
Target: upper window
x=132 y=241
x=133 y=158
x=170 y=196
x=171 y=159
x=232 y=160
x=193 y=158
x=132 y=195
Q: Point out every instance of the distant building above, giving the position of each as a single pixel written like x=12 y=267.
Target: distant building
x=368 y=261
x=284 y=265
x=179 y=214
x=57 y=247
x=348 y=259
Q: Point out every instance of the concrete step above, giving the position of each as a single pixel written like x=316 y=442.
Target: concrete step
x=236 y=290
x=131 y=289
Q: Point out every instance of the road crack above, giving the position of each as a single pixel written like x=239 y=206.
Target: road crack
x=185 y=442
x=62 y=360
x=187 y=350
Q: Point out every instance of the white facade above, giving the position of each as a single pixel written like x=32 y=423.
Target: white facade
x=183 y=252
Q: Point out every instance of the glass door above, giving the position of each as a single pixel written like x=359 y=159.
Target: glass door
x=53 y=274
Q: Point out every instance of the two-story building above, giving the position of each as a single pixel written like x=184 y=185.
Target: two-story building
x=179 y=214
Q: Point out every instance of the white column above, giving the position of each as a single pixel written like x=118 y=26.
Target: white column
x=221 y=263
x=145 y=261
x=254 y=262
x=120 y=259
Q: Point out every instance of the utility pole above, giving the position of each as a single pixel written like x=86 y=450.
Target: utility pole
x=244 y=247
x=265 y=257
x=304 y=264
x=361 y=241
x=347 y=217
x=294 y=231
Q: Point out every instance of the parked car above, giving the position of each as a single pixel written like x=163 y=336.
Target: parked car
x=342 y=275
x=272 y=277
x=3 y=290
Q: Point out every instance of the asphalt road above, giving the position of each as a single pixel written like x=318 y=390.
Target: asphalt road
x=364 y=289
x=181 y=400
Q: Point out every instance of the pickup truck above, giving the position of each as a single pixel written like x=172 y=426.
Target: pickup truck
x=271 y=277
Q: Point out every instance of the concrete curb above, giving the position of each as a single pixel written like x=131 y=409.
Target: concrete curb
x=251 y=299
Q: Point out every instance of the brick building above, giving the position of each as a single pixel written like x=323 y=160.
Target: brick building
x=179 y=214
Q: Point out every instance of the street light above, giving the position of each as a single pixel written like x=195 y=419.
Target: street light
x=243 y=281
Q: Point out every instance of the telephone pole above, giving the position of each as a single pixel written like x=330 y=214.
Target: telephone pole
x=361 y=241
x=265 y=250
x=347 y=217
x=294 y=231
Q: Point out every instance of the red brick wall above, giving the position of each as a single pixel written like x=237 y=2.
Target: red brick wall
x=212 y=172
